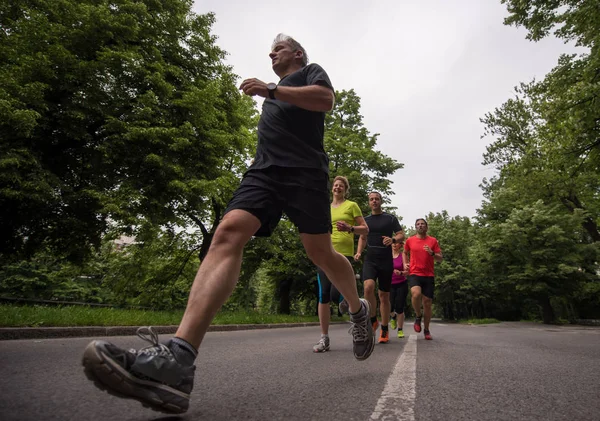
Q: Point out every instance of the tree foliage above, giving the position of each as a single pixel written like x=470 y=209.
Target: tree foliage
x=539 y=220
x=111 y=111
x=352 y=151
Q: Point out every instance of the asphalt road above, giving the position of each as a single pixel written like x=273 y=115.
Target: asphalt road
x=508 y=371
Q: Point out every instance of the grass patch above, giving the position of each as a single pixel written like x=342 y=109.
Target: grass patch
x=480 y=321
x=50 y=316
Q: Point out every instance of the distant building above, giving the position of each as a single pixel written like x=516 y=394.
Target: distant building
x=124 y=241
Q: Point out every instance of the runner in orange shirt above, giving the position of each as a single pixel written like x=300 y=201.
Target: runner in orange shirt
x=420 y=253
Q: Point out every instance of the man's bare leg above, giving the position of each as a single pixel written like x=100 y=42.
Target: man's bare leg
x=384 y=307
x=415 y=299
x=369 y=285
x=217 y=275
x=337 y=267
x=339 y=271
x=427 y=311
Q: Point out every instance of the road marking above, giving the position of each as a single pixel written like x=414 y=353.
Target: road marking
x=397 y=401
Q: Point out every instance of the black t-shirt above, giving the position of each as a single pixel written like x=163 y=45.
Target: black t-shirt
x=380 y=225
x=290 y=136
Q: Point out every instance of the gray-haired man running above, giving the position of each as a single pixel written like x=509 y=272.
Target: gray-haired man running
x=289 y=174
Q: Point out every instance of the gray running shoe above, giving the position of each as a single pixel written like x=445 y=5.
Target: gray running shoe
x=322 y=346
x=344 y=307
x=150 y=375
x=363 y=335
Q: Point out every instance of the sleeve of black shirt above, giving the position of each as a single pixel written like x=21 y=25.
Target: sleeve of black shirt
x=397 y=227
x=315 y=75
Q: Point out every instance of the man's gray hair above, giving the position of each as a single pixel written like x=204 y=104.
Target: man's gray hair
x=294 y=44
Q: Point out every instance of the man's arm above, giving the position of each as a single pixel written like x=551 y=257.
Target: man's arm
x=437 y=252
x=361 y=227
x=397 y=230
x=405 y=260
x=399 y=236
x=311 y=98
x=362 y=242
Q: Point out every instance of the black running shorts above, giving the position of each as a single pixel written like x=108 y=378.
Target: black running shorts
x=379 y=271
x=427 y=284
x=302 y=193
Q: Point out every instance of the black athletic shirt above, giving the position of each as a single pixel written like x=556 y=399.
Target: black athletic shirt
x=380 y=225
x=290 y=136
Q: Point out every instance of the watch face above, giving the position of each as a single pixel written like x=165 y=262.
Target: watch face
x=271 y=86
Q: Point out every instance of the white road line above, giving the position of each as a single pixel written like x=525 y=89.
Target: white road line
x=397 y=401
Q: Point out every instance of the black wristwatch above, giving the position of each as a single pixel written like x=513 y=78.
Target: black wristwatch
x=271 y=87
x=351 y=229
x=432 y=254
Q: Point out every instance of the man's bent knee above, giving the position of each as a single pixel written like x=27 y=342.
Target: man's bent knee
x=235 y=230
x=369 y=286
x=319 y=249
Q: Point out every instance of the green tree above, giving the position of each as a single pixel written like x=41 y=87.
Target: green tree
x=548 y=137
x=546 y=150
x=573 y=20
x=156 y=270
x=455 y=236
x=540 y=247
x=112 y=111
x=353 y=151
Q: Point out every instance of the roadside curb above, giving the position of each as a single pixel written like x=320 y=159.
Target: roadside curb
x=587 y=322
x=8 y=333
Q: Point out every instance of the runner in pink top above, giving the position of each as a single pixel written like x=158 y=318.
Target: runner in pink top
x=399 y=290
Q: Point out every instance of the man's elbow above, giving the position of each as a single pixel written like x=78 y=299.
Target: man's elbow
x=328 y=101
x=331 y=102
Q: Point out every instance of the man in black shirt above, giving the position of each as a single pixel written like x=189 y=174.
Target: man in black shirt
x=384 y=230
x=289 y=174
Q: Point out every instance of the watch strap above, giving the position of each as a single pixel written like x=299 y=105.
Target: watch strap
x=271 y=90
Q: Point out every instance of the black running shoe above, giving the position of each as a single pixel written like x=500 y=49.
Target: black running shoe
x=363 y=336
x=150 y=375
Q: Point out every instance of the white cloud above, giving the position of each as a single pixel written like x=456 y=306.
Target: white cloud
x=426 y=73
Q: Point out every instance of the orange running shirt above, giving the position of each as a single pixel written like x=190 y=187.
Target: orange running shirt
x=421 y=262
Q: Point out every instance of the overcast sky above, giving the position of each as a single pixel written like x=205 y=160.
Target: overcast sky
x=426 y=72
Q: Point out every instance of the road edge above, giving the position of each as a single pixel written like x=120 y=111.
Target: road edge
x=14 y=333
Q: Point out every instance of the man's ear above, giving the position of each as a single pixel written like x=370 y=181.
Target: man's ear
x=299 y=54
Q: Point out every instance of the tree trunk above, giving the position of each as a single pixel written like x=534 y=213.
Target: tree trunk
x=207 y=236
x=450 y=311
x=547 y=311
x=589 y=224
x=284 y=296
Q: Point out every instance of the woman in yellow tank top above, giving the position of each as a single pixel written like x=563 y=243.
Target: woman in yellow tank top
x=347 y=221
